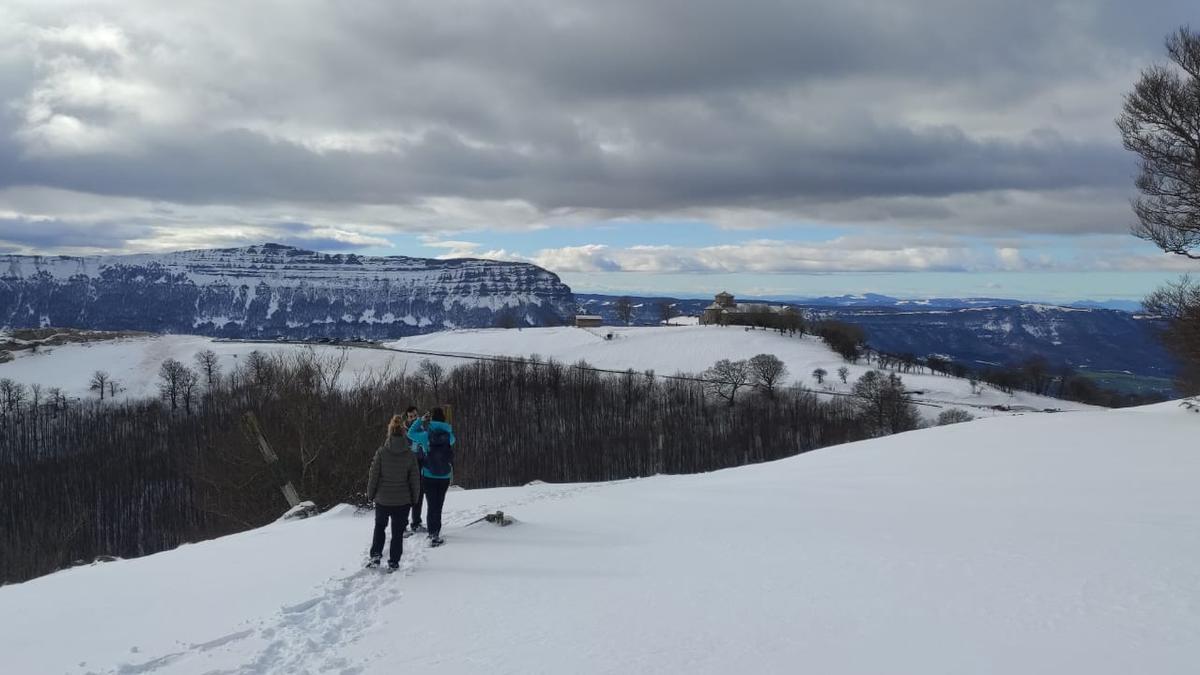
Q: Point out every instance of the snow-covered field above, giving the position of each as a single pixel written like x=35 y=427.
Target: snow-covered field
x=691 y=349
x=134 y=362
x=1033 y=544
x=666 y=350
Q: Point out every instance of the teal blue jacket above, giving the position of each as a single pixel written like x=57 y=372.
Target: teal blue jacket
x=417 y=435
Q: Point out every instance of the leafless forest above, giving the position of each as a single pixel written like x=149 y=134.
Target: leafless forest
x=80 y=481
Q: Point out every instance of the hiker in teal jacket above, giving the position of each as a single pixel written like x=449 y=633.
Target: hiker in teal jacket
x=411 y=415
x=436 y=438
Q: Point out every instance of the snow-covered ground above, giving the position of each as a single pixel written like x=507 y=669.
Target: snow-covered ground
x=1033 y=544
x=134 y=362
x=666 y=350
x=691 y=349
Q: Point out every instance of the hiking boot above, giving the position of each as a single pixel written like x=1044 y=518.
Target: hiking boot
x=374 y=562
x=436 y=540
x=417 y=527
x=393 y=566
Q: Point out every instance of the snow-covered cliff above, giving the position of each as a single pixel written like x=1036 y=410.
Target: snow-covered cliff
x=276 y=290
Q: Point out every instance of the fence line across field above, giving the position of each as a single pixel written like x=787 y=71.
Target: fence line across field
x=929 y=403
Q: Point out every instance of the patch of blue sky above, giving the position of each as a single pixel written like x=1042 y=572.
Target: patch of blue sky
x=1049 y=267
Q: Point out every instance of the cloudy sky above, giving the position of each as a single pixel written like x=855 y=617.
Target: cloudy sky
x=913 y=147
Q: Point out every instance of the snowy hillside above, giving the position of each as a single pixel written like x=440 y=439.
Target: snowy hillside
x=667 y=350
x=1035 y=544
x=979 y=332
x=134 y=362
x=691 y=349
x=274 y=290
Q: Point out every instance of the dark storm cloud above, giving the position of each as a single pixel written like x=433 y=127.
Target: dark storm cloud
x=616 y=107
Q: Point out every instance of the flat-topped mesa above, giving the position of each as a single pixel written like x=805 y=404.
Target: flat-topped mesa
x=271 y=289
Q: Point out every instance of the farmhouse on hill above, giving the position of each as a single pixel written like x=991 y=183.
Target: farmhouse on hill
x=726 y=311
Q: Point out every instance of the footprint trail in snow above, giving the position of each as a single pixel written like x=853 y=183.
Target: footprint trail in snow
x=310 y=635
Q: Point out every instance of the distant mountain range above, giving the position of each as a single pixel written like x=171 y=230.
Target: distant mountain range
x=274 y=290
x=271 y=290
x=877 y=300
x=979 y=332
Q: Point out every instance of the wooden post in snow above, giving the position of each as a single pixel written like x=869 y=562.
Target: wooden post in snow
x=254 y=432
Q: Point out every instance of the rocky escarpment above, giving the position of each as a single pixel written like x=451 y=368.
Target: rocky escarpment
x=274 y=290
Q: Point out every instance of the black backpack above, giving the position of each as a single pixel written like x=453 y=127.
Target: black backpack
x=439 y=458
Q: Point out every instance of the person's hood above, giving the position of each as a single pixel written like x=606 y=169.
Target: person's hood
x=397 y=443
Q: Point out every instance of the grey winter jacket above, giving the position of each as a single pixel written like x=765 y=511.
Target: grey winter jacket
x=395 y=478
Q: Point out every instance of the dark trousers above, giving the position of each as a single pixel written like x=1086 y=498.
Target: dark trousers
x=435 y=496
x=399 y=517
x=416 y=509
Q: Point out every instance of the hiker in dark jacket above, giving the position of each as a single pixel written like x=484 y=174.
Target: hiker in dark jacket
x=393 y=485
x=436 y=438
x=410 y=416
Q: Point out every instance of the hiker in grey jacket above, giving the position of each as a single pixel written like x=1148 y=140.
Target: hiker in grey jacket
x=394 y=484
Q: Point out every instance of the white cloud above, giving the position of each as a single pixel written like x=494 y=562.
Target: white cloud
x=586 y=258
x=845 y=254
x=763 y=257
x=454 y=249
x=1010 y=259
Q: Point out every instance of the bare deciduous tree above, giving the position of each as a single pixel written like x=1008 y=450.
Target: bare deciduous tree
x=174 y=381
x=844 y=374
x=885 y=407
x=209 y=366
x=625 y=309
x=767 y=371
x=819 y=375
x=433 y=374
x=99 y=383
x=12 y=394
x=1160 y=122
x=189 y=382
x=57 y=398
x=1036 y=370
x=724 y=378
x=791 y=320
x=667 y=311
x=259 y=368
x=1179 y=304
x=761 y=316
